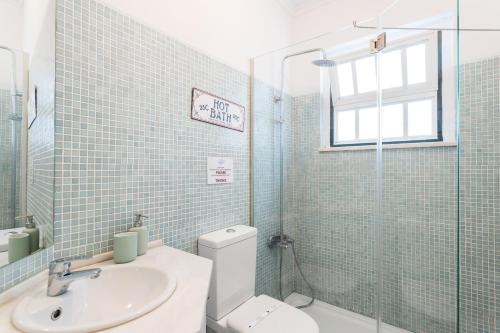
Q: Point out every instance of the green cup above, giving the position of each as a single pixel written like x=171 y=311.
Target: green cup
x=19 y=246
x=125 y=247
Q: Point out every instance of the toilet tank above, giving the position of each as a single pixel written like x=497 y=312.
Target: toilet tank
x=234 y=253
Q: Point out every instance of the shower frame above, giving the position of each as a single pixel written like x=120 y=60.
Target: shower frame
x=379 y=244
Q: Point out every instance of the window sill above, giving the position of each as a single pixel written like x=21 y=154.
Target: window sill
x=390 y=146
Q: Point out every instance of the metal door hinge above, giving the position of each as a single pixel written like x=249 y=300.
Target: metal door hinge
x=378 y=44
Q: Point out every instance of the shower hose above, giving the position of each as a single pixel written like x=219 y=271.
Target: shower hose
x=291 y=242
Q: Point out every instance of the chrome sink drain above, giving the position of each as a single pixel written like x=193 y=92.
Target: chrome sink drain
x=56 y=314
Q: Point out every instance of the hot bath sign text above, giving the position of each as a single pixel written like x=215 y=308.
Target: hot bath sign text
x=218 y=111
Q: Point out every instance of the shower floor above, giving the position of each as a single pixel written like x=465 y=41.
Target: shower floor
x=332 y=319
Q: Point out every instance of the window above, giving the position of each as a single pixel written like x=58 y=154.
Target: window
x=411 y=93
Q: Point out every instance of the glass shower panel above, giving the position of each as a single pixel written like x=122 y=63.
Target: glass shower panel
x=479 y=196
x=10 y=143
x=329 y=189
x=374 y=227
x=266 y=169
x=419 y=167
x=336 y=234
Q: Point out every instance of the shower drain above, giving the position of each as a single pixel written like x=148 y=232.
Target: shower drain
x=56 y=314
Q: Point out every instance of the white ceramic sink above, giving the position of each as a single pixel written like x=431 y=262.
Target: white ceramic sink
x=120 y=294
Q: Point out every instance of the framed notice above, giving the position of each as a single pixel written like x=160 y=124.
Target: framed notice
x=218 y=111
x=219 y=170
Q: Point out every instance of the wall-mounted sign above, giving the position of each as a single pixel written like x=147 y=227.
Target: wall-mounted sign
x=218 y=111
x=219 y=170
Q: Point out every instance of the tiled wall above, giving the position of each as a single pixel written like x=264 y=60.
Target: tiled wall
x=41 y=140
x=419 y=212
x=480 y=196
x=265 y=178
x=332 y=202
x=266 y=185
x=331 y=205
x=6 y=161
x=125 y=142
x=20 y=270
x=40 y=164
x=40 y=176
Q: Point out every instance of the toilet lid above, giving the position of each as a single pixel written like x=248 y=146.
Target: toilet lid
x=264 y=314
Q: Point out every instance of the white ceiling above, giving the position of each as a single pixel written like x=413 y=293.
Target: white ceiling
x=297 y=7
x=14 y=2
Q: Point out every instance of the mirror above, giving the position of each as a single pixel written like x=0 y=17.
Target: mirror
x=27 y=79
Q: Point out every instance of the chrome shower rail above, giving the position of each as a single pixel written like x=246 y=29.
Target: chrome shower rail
x=279 y=99
x=357 y=26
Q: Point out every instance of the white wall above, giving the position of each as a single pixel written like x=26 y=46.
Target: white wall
x=334 y=16
x=11 y=35
x=337 y=17
x=330 y=27
x=340 y=13
x=234 y=31
x=11 y=23
x=479 y=14
x=39 y=45
x=39 y=29
x=231 y=31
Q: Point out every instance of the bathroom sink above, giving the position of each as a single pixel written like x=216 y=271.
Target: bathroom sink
x=120 y=294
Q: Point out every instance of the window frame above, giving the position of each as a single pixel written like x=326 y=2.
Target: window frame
x=405 y=94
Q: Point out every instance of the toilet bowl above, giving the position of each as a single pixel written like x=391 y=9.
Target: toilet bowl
x=264 y=314
x=232 y=306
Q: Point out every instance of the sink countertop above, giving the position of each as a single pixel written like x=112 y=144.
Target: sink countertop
x=183 y=312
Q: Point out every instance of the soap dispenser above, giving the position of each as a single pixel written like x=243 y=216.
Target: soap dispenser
x=142 y=233
x=33 y=232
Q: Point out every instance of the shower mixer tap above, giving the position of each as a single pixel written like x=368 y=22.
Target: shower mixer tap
x=276 y=240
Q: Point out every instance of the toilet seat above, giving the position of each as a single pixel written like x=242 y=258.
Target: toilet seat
x=264 y=314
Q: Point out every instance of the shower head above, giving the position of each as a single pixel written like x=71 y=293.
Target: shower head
x=324 y=62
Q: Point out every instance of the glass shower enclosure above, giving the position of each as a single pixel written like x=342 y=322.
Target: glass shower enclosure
x=10 y=137
x=382 y=171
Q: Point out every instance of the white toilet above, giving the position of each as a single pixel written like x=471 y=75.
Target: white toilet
x=232 y=306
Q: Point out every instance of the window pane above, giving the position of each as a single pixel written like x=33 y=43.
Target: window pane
x=392 y=121
x=346 y=126
x=391 y=72
x=366 y=74
x=346 y=85
x=368 y=123
x=416 y=64
x=420 y=118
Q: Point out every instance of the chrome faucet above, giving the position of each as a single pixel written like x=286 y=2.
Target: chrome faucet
x=60 y=276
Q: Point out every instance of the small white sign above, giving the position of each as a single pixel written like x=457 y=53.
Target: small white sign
x=218 y=111
x=219 y=170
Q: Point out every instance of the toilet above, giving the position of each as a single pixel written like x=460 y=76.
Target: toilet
x=232 y=306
